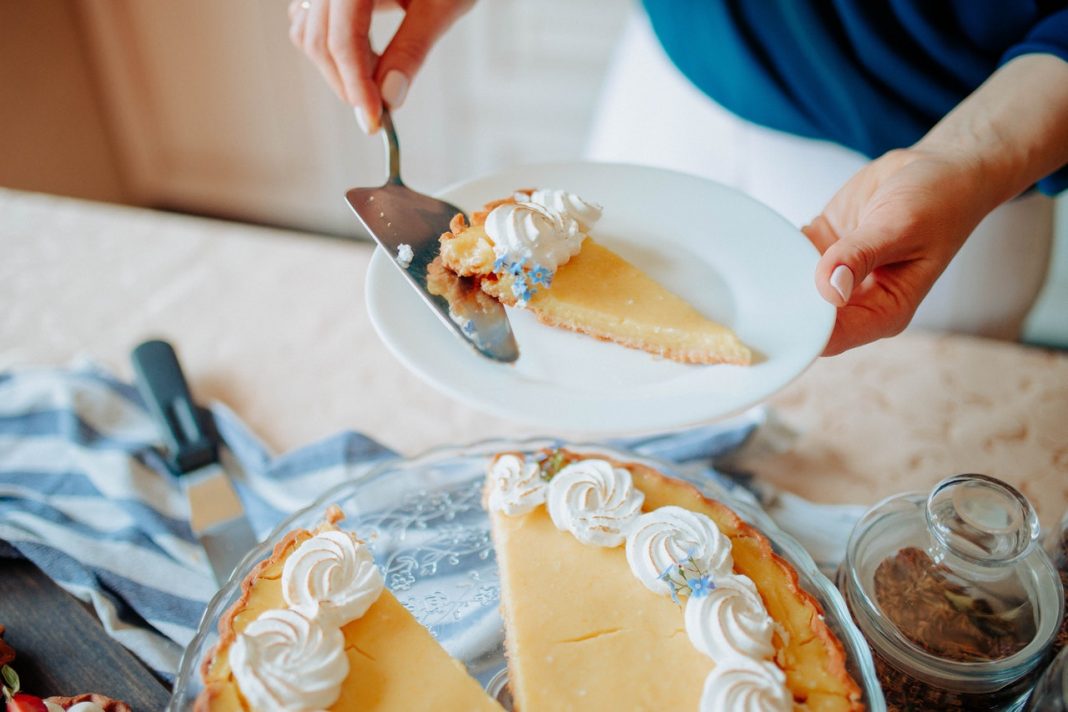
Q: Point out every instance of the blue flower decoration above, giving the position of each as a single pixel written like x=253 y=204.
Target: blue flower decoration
x=540 y=275
x=500 y=263
x=521 y=290
x=666 y=577
x=686 y=577
x=516 y=268
x=700 y=586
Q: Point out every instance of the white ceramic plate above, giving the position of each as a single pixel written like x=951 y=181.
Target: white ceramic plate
x=735 y=259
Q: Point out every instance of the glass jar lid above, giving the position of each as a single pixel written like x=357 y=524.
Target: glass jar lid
x=952 y=587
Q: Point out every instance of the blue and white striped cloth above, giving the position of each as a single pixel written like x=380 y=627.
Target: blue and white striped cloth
x=85 y=494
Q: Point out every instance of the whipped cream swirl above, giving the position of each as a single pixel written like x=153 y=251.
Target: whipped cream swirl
x=516 y=486
x=594 y=501
x=670 y=535
x=288 y=662
x=583 y=212
x=530 y=233
x=731 y=620
x=743 y=685
x=331 y=577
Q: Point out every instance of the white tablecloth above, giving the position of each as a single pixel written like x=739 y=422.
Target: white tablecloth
x=273 y=324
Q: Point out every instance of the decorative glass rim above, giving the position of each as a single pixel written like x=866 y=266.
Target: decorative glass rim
x=858 y=654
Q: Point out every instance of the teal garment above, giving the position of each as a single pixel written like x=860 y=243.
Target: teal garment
x=872 y=75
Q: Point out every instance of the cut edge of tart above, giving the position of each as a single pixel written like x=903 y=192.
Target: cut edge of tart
x=583 y=286
x=385 y=646
x=806 y=651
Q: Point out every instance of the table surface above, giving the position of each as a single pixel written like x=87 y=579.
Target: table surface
x=273 y=324
x=45 y=624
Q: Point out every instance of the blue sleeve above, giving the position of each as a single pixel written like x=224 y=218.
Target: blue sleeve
x=1050 y=36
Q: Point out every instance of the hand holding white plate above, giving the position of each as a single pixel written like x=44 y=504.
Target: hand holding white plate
x=733 y=258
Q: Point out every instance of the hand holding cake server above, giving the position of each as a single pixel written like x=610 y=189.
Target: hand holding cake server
x=983 y=127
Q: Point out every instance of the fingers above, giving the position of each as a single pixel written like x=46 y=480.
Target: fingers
x=858 y=252
x=846 y=263
x=820 y=233
x=424 y=22
x=856 y=325
x=350 y=46
x=298 y=14
x=885 y=238
x=880 y=308
x=316 y=32
x=883 y=304
x=872 y=273
x=335 y=34
x=835 y=275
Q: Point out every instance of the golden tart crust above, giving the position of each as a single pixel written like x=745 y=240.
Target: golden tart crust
x=583 y=633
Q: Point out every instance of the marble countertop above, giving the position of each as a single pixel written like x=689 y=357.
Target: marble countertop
x=273 y=324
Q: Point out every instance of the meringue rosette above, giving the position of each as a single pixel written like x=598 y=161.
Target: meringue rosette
x=595 y=501
x=288 y=662
x=331 y=576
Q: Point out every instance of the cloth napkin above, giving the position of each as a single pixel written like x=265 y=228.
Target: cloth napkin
x=85 y=494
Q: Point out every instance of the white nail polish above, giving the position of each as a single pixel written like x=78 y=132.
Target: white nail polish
x=394 y=88
x=361 y=119
x=842 y=281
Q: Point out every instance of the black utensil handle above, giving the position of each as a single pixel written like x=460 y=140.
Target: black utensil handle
x=164 y=388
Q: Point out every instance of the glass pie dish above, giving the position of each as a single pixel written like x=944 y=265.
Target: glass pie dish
x=424 y=520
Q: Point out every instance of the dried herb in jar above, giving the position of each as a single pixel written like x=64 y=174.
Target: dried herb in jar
x=946 y=618
x=953 y=594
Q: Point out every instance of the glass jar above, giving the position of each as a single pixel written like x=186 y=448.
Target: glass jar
x=1057 y=543
x=956 y=598
x=1051 y=690
x=1057 y=548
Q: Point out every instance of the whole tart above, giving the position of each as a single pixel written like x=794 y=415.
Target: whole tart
x=584 y=286
x=305 y=650
x=622 y=588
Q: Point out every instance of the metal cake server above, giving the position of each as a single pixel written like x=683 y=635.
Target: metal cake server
x=396 y=215
x=216 y=515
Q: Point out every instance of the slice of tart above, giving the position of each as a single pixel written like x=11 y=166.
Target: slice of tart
x=533 y=251
x=315 y=629
x=624 y=589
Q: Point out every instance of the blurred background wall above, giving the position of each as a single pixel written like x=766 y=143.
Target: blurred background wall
x=54 y=135
x=204 y=107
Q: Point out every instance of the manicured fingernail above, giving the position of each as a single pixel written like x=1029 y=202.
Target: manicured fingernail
x=361 y=119
x=394 y=88
x=842 y=281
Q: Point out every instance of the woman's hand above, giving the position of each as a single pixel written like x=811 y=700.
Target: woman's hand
x=893 y=228
x=886 y=237
x=335 y=34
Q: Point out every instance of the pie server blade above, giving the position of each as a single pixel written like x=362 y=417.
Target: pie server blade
x=216 y=515
x=396 y=215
